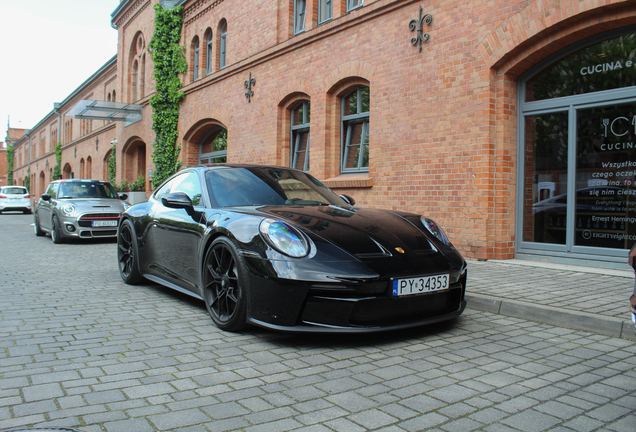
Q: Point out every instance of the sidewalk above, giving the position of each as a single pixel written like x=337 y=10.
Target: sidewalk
x=582 y=298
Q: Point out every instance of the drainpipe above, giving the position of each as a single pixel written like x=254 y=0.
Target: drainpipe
x=28 y=135
x=56 y=107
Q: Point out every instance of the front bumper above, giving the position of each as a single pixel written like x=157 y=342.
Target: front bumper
x=82 y=226
x=360 y=307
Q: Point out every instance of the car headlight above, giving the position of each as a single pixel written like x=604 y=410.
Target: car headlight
x=284 y=238
x=436 y=230
x=68 y=209
x=126 y=205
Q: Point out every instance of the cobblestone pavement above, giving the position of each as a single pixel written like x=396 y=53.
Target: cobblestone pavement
x=80 y=349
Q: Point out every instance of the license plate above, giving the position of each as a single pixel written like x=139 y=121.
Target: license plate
x=419 y=285
x=106 y=223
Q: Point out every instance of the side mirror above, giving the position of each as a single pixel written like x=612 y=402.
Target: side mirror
x=46 y=197
x=349 y=200
x=123 y=197
x=178 y=200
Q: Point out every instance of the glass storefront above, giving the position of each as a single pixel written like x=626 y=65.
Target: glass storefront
x=577 y=148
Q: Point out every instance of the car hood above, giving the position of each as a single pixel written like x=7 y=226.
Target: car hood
x=364 y=233
x=85 y=205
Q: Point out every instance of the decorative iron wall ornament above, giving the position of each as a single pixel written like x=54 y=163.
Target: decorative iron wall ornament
x=417 y=24
x=248 y=85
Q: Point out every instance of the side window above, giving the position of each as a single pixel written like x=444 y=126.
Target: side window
x=164 y=190
x=189 y=184
x=52 y=190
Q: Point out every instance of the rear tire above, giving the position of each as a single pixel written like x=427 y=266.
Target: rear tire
x=225 y=285
x=56 y=231
x=128 y=254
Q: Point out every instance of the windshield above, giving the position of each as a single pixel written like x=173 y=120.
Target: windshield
x=87 y=190
x=230 y=187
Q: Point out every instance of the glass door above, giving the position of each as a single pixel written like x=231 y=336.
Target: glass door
x=605 y=212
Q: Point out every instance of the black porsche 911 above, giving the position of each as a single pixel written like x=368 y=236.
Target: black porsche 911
x=274 y=247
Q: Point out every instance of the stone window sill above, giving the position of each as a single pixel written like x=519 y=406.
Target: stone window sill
x=349 y=181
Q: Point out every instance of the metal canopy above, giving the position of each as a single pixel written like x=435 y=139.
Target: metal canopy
x=109 y=111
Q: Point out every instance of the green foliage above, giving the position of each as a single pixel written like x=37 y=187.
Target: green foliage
x=124 y=186
x=169 y=61
x=10 y=162
x=57 y=169
x=27 y=181
x=138 y=185
x=112 y=165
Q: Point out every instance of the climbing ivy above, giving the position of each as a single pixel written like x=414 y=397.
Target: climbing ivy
x=57 y=169
x=112 y=164
x=169 y=61
x=10 y=160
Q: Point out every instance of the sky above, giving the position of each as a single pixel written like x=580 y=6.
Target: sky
x=48 y=48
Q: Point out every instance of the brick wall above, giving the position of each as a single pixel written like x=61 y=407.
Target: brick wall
x=443 y=121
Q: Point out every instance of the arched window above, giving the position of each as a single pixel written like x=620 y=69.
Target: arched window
x=223 y=45
x=355 y=130
x=213 y=146
x=208 y=52
x=195 y=59
x=577 y=126
x=89 y=167
x=136 y=69
x=354 y=4
x=299 y=16
x=299 y=142
x=133 y=84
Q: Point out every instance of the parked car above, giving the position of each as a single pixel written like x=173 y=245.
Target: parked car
x=15 y=198
x=273 y=247
x=79 y=209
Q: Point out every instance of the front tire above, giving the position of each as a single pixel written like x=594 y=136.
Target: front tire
x=225 y=285
x=128 y=254
x=37 y=228
x=56 y=231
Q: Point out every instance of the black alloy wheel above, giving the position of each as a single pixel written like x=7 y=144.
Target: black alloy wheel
x=127 y=254
x=56 y=231
x=224 y=280
x=36 y=226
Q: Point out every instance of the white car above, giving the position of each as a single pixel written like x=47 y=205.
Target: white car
x=15 y=198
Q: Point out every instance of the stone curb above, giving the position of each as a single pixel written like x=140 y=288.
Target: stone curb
x=593 y=323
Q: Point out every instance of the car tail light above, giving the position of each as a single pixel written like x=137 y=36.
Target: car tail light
x=27 y=196
x=3 y=196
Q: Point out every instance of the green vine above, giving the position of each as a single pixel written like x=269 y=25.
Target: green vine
x=10 y=161
x=57 y=169
x=169 y=61
x=112 y=164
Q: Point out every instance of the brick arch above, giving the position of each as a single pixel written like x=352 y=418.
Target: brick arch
x=291 y=88
x=193 y=137
x=133 y=159
x=546 y=26
x=290 y=95
x=348 y=70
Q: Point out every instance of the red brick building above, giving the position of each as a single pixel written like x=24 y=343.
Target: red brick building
x=466 y=112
